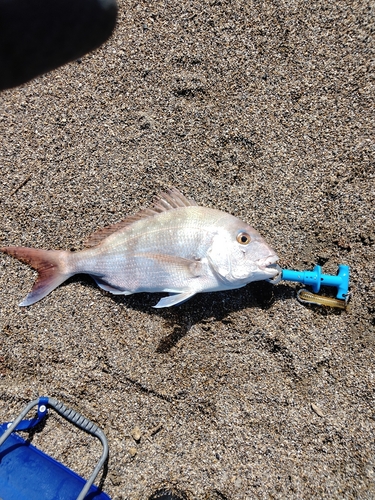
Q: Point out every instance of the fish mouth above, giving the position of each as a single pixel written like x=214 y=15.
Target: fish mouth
x=269 y=265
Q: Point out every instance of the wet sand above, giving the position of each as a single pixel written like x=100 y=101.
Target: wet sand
x=265 y=111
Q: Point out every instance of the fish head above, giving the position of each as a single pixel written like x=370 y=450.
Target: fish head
x=239 y=254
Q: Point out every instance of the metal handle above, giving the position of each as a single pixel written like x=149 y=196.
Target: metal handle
x=85 y=424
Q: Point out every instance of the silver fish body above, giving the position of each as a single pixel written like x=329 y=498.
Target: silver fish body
x=174 y=246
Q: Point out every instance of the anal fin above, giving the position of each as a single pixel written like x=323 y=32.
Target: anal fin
x=173 y=300
x=109 y=288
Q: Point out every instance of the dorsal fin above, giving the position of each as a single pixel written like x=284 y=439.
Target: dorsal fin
x=169 y=200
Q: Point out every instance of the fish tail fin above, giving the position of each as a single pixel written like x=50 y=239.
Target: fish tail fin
x=51 y=266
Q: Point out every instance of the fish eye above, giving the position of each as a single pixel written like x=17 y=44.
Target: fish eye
x=243 y=238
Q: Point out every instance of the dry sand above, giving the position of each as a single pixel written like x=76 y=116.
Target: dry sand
x=264 y=110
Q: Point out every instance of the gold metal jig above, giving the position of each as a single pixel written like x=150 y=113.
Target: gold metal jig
x=306 y=297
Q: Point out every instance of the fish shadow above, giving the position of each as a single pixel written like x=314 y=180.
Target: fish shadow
x=205 y=308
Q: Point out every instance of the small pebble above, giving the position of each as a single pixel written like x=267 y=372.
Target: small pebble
x=136 y=434
x=317 y=410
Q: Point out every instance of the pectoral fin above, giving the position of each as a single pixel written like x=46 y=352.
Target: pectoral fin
x=174 y=299
x=172 y=265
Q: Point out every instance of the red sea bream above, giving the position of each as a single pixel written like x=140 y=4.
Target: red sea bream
x=174 y=246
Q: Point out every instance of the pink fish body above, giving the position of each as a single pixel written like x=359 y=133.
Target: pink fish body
x=175 y=246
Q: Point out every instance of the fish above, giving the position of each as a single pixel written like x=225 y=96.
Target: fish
x=174 y=246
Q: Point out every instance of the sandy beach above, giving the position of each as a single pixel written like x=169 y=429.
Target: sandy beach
x=265 y=111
